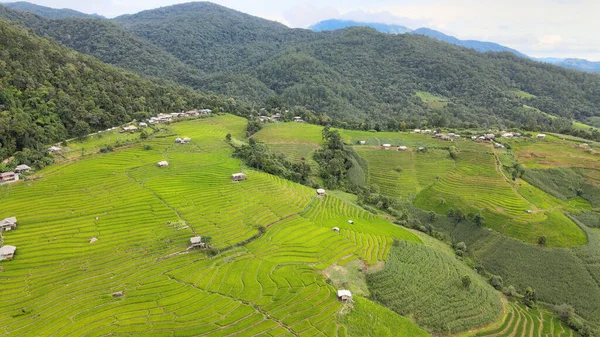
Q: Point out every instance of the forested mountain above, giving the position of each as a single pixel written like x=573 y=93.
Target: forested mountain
x=358 y=74
x=362 y=78
x=110 y=43
x=49 y=92
x=579 y=64
x=335 y=24
x=48 y=12
x=480 y=46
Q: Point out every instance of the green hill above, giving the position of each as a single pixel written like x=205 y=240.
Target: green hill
x=111 y=44
x=48 y=12
x=49 y=93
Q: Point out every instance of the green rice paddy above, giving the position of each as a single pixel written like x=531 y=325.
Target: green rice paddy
x=61 y=284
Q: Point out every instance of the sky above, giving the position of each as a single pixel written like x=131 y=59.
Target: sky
x=539 y=28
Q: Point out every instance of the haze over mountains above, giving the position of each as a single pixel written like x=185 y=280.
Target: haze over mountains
x=481 y=46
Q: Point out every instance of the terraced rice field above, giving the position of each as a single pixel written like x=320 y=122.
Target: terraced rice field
x=477 y=185
x=404 y=174
x=425 y=283
x=523 y=321
x=60 y=284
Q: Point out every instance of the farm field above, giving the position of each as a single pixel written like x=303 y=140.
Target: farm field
x=473 y=182
x=523 y=321
x=437 y=299
x=61 y=284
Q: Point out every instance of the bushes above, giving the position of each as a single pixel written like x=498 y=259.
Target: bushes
x=258 y=156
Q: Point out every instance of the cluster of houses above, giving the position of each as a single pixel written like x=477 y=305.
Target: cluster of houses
x=7 y=252
x=13 y=176
x=450 y=137
x=162 y=118
x=277 y=118
x=401 y=148
x=426 y=132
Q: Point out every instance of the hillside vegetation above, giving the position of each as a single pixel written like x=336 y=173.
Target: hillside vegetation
x=358 y=76
x=49 y=93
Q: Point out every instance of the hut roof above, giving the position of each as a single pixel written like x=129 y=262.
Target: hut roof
x=7 y=250
x=321 y=191
x=196 y=239
x=23 y=168
x=11 y=220
x=342 y=292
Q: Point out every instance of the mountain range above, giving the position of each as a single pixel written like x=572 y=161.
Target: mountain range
x=354 y=77
x=481 y=46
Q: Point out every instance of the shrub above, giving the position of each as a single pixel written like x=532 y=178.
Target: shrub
x=542 y=240
x=466 y=281
x=496 y=282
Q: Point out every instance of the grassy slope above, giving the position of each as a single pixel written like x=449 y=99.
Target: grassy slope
x=425 y=283
x=472 y=183
x=143 y=217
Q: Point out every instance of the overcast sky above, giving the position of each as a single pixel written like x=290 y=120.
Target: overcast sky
x=541 y=28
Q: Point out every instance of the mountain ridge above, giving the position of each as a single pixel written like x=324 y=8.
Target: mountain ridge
x=49 y=12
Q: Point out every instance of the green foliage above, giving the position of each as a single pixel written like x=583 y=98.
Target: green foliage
x=364 y=312
x=258 y=156
x=466 y=281
x=564 y=184
x=426 y=284
x=49 y=92
x=530 y=297
x=496 y=282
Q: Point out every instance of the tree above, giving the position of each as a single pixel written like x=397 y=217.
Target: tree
x=228 y=137
x=479 y=219
x=144 y=135
x=496 y=282
x=81 y=129
x=466 y=281
x=565 y=311
x=530 y=297
x=542 y=240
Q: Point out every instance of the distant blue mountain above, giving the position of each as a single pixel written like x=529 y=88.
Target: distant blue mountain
x=48 y=12
x=480 y=46
x=340 y=24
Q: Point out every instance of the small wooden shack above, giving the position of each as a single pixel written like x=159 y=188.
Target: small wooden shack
x=321 y=192
x=8 y=224
x=344 y=295
x=187 y=140
x=238 y=177
x=8 y=177
x=163 y=163
x=402 y=148
x=351 y=222
x=7 y=253
x=336 y=229
x=541 y=136
x=54 y=149
x=387 y=146
x=22 y=168
x=196 y=242
x=363 y=142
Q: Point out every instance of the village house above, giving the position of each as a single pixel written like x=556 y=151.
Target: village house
x=507 y=135
x=422 y=149
x=363 y=142
x=336 y=229
x=481 y=139
x=264 y=119
x=7 y=177
x=7 y=252
x=276 y=117
x=417 y=131
x=22 y=168
x=473 y=137
x=143 y=125
x=298 y=119
x=387 y=146
x=321 y=192
x=402 y=148
x=8 y=224
x=344 y=295
x=351 y=222
x=457 y=136
x=54 y=149
x=196 y=242
x=427 y=132
x=129 y=128
x=498 y=146
x=541 y=136
x=489 y=136
x=238 y=177
x=163 y=163
x=205 y=111
x=94 y=239
x=517 y=134
x=187 y=140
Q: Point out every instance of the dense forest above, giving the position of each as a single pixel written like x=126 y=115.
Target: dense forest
x=49 y=93
x=354 y=78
